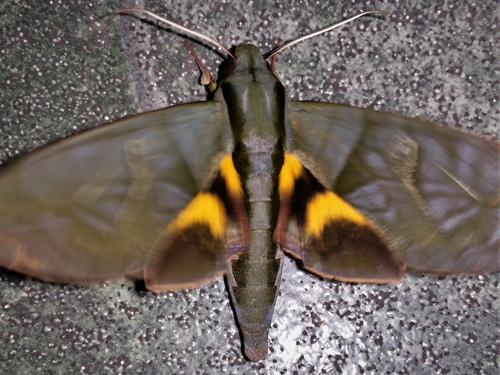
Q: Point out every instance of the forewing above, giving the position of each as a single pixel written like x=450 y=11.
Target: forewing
x=91 y=207
x=432 y=191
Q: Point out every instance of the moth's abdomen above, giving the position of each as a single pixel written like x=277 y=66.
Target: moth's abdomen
x=255 y=275
x=254 y=286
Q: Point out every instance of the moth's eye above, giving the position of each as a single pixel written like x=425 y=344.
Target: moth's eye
x=270 y=67
x=229 y=67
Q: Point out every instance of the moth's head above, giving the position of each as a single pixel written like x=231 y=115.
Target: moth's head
x=247 y=58
x=249 y=55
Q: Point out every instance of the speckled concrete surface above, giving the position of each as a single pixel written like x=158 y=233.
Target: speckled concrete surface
x=65 y=66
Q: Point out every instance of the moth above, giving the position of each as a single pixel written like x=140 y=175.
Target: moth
x=183 y=195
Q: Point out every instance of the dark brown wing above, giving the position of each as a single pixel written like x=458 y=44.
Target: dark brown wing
x=92 y=206
x=432 y=192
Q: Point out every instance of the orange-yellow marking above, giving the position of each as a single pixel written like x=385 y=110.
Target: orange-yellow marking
x=205 y=208
x=290 y=171
x=326 y=207
x=231 y=176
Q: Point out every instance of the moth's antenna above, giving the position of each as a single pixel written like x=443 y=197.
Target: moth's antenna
x=180 y=27
x=322 y=31
x=273 y=60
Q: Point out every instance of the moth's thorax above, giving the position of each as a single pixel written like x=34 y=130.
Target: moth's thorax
x=255 y=99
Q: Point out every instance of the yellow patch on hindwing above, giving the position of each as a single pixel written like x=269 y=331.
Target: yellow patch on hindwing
x=206 y=209
x=290 y=171
x=327 y=207
x=231 y=176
